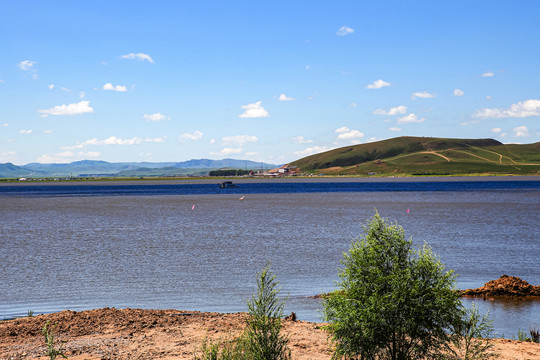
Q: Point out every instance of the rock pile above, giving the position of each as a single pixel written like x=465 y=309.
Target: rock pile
x=504 y=286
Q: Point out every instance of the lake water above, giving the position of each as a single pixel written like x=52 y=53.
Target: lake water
x=192 y=246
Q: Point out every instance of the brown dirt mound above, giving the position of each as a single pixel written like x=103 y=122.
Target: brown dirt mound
x=510 y=286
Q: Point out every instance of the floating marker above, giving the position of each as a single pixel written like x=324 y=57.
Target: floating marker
x=242 y=198
x=407 y=210
x=193 y=207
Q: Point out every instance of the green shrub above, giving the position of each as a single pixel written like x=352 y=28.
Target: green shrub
x=51 y=350
x=395 y=302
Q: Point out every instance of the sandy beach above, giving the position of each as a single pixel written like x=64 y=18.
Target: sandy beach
x=110 y=333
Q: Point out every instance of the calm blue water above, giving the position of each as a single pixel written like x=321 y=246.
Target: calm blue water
x=193 y=246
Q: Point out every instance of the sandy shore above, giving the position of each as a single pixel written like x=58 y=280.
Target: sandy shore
x=167 y=334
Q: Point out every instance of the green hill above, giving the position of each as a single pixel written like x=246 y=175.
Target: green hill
x=426 y=156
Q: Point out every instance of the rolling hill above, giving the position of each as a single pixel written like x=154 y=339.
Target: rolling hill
x=426 y=156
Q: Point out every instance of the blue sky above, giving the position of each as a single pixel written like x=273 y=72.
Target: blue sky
x=265 y=81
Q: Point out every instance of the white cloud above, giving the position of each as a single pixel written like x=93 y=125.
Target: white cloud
x=25 y=131
x=7 y=156
x=521 y=131
x=284 y=97
x=82 y=107
x=344 y=30
x=48 y=131
x=346 y=133
x=212 y=141
x=519 y=110
x=65 y=89
x=470 y=122
x=2 y=81
x=239 y=140
x=311 y=150
x=301 y=140
x=5 y=124
x=156 y=117
x=111 y=87
x=411 y=118
x=377 y=84
x=488 y=97
x=81 y=94
x=422 y=95
x=458 y=92
x=89 y=154
x=113 y=140
x=488 y=74
x=254 y=110
x=496 y=130
x=353 y=105
x=50 y=86
x=197 y=135
x=401 y=109
x=61 y=157
x=227 y=151
x=26 y=65
x=138 y=56
x=394 y=129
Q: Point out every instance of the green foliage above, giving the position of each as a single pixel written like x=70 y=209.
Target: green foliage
x=261 y=339
x=470 y=337
x=395 y=302
x=263 y=324
x=48 y=333
x=30 y=313
x=522 y=335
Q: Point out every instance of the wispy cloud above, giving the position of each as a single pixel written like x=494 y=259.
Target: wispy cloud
x=113 y=140
x=411 y=118
x=394 y=129
x=48 y=131
x=227 y=151
x=284 y=97
x=521 y=131
x=488 y=74
x=7 y=156
x=347 y=134
x=401 y=109
x=301 y=140
x=196 y=135
x=50 y=86
x=496 y=130
x=344 y=30
x=82 y=107
x=239 y=140
x=29 y=131
x=422 y=95
x=458 y=92
x=377 y=84
x=254 y=110
x=521 y=109
x=138 y=56
x=111 y=87
x=156 y=117
x=26 y=65
x=311 y=150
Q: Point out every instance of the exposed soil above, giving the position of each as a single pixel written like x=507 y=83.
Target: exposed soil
x=167 y=334
x=505 y=286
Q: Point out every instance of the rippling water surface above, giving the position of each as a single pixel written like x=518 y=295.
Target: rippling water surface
x=195 y=247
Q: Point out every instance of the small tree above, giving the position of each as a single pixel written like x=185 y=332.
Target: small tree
x=262 y=337
x=395 y=302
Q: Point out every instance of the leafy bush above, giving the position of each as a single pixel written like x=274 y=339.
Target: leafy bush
x=395 y=302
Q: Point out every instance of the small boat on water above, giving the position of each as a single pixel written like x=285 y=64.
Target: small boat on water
x=227 y=184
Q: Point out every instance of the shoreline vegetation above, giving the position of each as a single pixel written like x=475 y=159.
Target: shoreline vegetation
x=110 y=333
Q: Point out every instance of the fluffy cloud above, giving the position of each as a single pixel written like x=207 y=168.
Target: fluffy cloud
x=111 y=87
x=394 y=129
x=82 y=107
x=377 y=84
x=488 y=74
x=346 y=133
x=157 y=117
x=496 y=130
x=25 y=131
x=344 y=30
x=301 y=140
x=48 y=131
x=26 y=65
x=138 y=56
x=311 y=151
x=254 y=110
x=284 y=97
x=411 y=118
x=521 y=131
x=458 y=92
x=50 y=86
x=197 y=135
x=422 y=95
x=227 y=151
x=113 y=140
x=239 y=140
x=401 y=109
x=7 y=156
x=521 y=109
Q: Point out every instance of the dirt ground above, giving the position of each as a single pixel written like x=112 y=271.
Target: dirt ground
x=167 y=334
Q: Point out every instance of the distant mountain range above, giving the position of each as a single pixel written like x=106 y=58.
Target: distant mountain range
x=408 y=155
x=104 y=168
